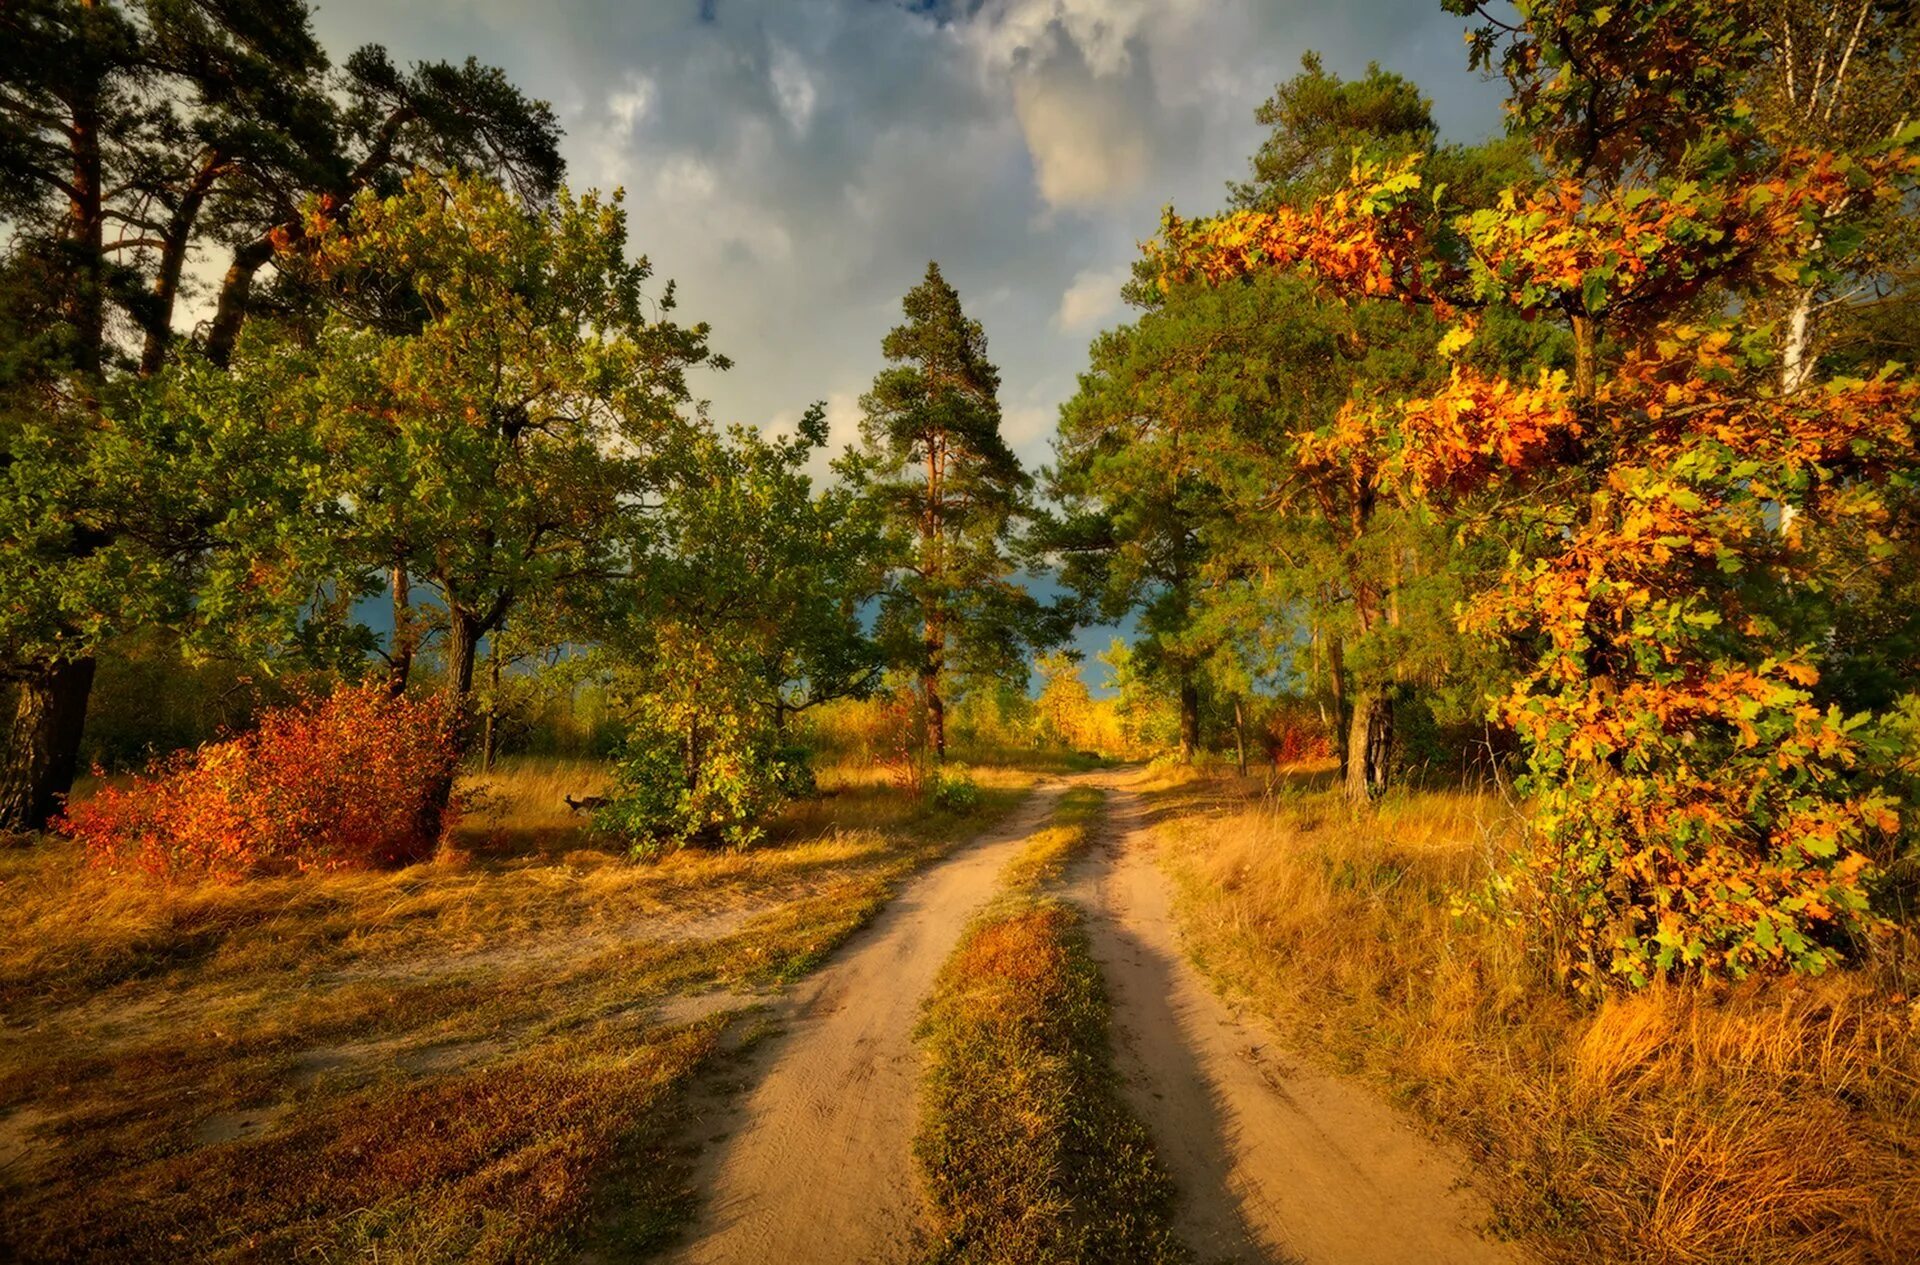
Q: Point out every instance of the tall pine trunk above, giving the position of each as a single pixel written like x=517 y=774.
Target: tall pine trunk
x=1369 y=744
x=43 y=743
x=1189 y=718
x=936 y=714
x=50 y=706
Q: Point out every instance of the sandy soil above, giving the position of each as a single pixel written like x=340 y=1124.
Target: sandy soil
x=1274 y=1161
x=815 y=1162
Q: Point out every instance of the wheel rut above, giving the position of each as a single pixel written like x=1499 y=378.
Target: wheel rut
x=815 y=1162
x=1274 y=1160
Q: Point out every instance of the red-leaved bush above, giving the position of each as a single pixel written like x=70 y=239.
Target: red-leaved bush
x=1292 y=738
x=350 y=780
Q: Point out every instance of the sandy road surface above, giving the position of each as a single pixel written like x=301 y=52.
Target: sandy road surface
x=816 y=1162
x=1274 y=1161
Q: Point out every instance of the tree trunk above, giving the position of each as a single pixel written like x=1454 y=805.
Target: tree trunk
x=1586 y=339
x=49 y=715
x=936 y=714
x=405 y=636
x=236 y=294
x=50 y=703
x=1189 y=718
x=1796 y=354
x=86 y=296
x=1240 y=734
x=463 y=645
x=1337 y=678
x=173 y=256
x=463 y=639
x=1369 y=744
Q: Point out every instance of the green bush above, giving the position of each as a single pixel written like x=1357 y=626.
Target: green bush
x=955 y=791
x=681 y=777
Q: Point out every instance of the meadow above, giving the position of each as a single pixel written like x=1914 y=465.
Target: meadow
x=455 y=1059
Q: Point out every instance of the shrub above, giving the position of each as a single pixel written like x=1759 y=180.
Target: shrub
x=955 y=791
x=902 y=744
x=1295 y=736
x=687 y=772
x=354 y=779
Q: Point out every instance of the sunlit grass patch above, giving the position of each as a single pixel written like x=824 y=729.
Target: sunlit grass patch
x=1029 y=1151
x=1044 y=858
x=1770 y=1122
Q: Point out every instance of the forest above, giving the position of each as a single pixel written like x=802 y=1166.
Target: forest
x=463 y=799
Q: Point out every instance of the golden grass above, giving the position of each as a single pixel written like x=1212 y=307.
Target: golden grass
x=451 y=1060
x=1772 y=1122
x=1049 y=850
x=1029 y=1150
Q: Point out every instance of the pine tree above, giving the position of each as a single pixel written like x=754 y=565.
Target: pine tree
x=133 y=132
x=950 y=490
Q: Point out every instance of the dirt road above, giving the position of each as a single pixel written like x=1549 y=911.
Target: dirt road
x=815 y=1164
x=1274 y=1161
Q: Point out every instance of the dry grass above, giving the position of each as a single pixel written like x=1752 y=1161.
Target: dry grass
x=1029 y=1150
x=452 y=1060
x=1048 y=852
x=1773 y=1122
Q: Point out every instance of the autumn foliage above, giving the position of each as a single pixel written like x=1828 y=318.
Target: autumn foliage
x=346 y=781
x=1697 y=806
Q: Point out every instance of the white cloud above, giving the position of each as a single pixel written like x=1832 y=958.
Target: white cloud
x=793 y=89
x=1086 y=145
x=1091 y=299
x=684 y=178
x=627 y=107
x=1103 y=31
x=1025 y=425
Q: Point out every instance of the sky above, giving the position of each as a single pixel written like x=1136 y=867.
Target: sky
x=792 y=165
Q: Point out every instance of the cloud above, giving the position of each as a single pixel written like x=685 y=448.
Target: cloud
x=793 y=164
x=793 y=88
x=1092 y=298
x=1027 y=425
x=627 y=106
x=1086 y=146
